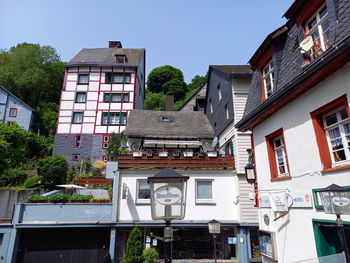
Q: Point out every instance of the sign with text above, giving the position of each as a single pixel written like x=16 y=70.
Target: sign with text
x=302 y=199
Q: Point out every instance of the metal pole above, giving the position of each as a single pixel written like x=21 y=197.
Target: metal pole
x=167 y=243
x=342 y=239
x=214 y=236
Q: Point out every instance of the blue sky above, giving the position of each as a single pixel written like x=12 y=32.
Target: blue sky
x=187 y=34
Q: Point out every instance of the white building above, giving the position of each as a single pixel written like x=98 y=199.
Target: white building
x=298 y=112
x=212 y=188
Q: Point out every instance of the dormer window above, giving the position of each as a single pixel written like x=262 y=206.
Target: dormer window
x=318 y=28
x=219 y=92
x=268 y=79
x=166 y=119
x=121 y=59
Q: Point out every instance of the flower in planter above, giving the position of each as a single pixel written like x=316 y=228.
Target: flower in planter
x=176 y=153
x=163 y=153
x=149 y=153
x=100 y=200
x=34 y=198
x=80 y=198
x=59 y=198
x=137 y=153
x=212 y=153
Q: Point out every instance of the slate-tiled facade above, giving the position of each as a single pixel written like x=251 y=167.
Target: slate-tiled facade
x=288 y=59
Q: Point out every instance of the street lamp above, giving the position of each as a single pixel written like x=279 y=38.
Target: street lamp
x=214 y=229
x=168 y=199
x=249 y=168
x=336 y=200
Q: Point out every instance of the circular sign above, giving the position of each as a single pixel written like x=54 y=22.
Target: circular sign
x=167 y=195
x=340 y=201
x=266 y=219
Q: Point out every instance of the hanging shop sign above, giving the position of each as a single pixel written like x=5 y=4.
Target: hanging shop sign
x=278 y=201
x=167 y=195
x=302 y=199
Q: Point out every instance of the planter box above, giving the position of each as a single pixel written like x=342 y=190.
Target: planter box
x=149 y=154
x=163 y=154
x=177 y=154
x=137 y=154
x=212 y=154
x=188 y=154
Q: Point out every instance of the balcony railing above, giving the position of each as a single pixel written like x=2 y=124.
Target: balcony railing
x=128 y=161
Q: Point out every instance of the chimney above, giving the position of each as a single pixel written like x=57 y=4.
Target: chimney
x=169 y=102
x=115 y=44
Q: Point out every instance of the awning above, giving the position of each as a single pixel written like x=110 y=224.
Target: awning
x=171 y=143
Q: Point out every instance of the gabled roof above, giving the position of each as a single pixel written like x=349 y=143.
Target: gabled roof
x=233 y=69
x=178 y=124
x=106 y=57
x=16 y=98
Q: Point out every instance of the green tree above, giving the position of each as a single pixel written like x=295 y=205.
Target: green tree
x=32 y=72
x=154 y=101
x=48 y=114
x=114 y=148
x=134 y=247
x=161 y=75
x=175 y=87
x=196 y=82
x=52 y=169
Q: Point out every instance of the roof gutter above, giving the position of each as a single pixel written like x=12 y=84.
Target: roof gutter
x=283 y=92
x=98 y=65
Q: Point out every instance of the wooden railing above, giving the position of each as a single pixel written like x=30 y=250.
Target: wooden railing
x=128 y=161
x=93 y=181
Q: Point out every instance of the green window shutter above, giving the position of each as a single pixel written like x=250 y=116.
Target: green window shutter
x=231 y=148
x=226 y=149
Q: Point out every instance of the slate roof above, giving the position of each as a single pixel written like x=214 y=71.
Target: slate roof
x=106 y=57
x=168 y=173
x=233 y=69
x=182 y=125
x=13 y=95
x=289 y=73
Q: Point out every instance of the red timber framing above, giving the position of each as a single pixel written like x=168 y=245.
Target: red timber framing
x=303 y=10
x=256 y=175
x=320 y=133
x=128 y=161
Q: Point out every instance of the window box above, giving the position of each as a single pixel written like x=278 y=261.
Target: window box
x=212 y=154
x=163 y=154
x=201 y=154
x=149 y=154
x=137 y=154
x=188 y=154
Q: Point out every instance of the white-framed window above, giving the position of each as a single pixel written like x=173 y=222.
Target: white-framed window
x=83 y=79
x=219 y=92
x=204 y=191
x=77 y=117
x=280 y=155
x=268 y=79
x=143 y=192
x=337 y=127
x=80 y=97
x=318 y=28
x=227 y=112
x=210 y=106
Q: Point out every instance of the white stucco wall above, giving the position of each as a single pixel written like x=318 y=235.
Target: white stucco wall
x=294 y=231
x=224 y=192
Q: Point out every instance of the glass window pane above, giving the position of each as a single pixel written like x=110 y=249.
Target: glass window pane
x=83 y=78
x=107 y=97
x=331 y=119
x=343 y=114
x=118 y=78
x=113 y=118
x=127 y=78
x=116 y=97
x=204 y=190
x=126 y=97
x=144 y=190
x=347 y=128
x=323 y=12
x=334 y=133
x=339 y=156
x=312 y=23
x=80 y=98
x=108 y=78
x=105 y=118
x=77 y=117
x=337 y=144
x=124 y=117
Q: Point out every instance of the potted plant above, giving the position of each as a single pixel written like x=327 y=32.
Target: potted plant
x=59 y=198
x=100 y=200
x=176 y=153
x=212 y=153
x=149 y=153
x=33 y=198
x=80 y=199
x=188 y=153
x=201 y=153
x=137 y=153
x=163 y=153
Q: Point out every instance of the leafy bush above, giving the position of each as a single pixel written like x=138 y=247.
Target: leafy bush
x=37 y=198
x=134 y=247
x=33 y=182
x=80 y=198
x=13 y=177
x=58 y=197
x=99 y=200
x=150 y=255
x=53 y=170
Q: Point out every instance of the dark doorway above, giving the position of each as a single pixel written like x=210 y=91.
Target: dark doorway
x=64 y=245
